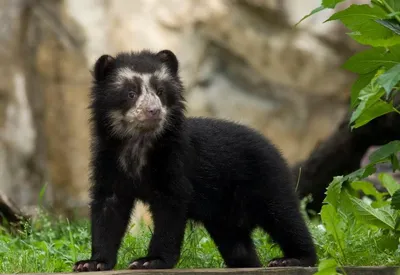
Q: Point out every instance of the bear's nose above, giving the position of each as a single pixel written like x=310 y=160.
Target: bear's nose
x=153 y=112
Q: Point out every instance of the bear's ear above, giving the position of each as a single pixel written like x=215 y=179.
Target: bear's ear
x=168 y=58
x=103 y=66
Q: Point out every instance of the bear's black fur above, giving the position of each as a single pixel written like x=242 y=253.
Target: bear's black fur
x=222 y=174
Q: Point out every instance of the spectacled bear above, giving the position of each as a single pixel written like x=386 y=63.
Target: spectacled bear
x=222 y=174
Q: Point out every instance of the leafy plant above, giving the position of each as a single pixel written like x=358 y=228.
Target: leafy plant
x=327 y=267
x=377 y=26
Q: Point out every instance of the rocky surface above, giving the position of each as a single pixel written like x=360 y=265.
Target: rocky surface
x=240 y=59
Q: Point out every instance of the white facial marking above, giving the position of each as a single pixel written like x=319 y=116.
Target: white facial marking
x=129 y=124
x=133 y=156
x=147 y=98
x=162 y=74
x=127 y=73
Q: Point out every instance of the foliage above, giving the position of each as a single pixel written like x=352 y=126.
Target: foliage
x=327 y=267
x=345 y=211
x=378 y=26
x=53 y=244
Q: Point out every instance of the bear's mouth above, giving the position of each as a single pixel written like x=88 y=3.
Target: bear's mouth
x=125 y=123
x=149 y=124
x=144 y=125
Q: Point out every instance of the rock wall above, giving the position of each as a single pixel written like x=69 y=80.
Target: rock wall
x=240 y=59
x=21 y=170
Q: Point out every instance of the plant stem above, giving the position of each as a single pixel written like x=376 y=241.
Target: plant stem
x=397 y=111
x=388 y=7
x=298 y=179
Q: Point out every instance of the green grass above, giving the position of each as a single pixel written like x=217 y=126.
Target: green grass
x=50 y=245
x=53 y=245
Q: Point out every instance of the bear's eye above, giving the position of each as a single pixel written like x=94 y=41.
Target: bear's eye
x=131 y=95
x=160 y=91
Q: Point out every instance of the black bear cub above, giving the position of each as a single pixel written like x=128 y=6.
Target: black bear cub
x=224 y=175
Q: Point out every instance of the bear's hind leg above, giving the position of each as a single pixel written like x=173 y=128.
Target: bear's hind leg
x=236 y=247
x=282 y=219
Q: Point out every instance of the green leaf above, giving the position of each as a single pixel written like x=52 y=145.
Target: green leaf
x=367 y=188
x=381 y=203
x=314 y=11
x=361 y=20
x=333 y=224
x=370 y=111
x=331 y=3
x=333 y=191
x=388 y=240
x=371 y=60
x=345 y=207
x=390 y=79
x=389 y=183
x=326 y=4
x=383 y=217
x=362 y=81
x=327 y=267
x=391 y=24
x=370 y=105
x=358 y=11
x=396 y=200
x=393 y=14
x=384 y=152
x=362 y=172
x=394 y=4
x=395 y=162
